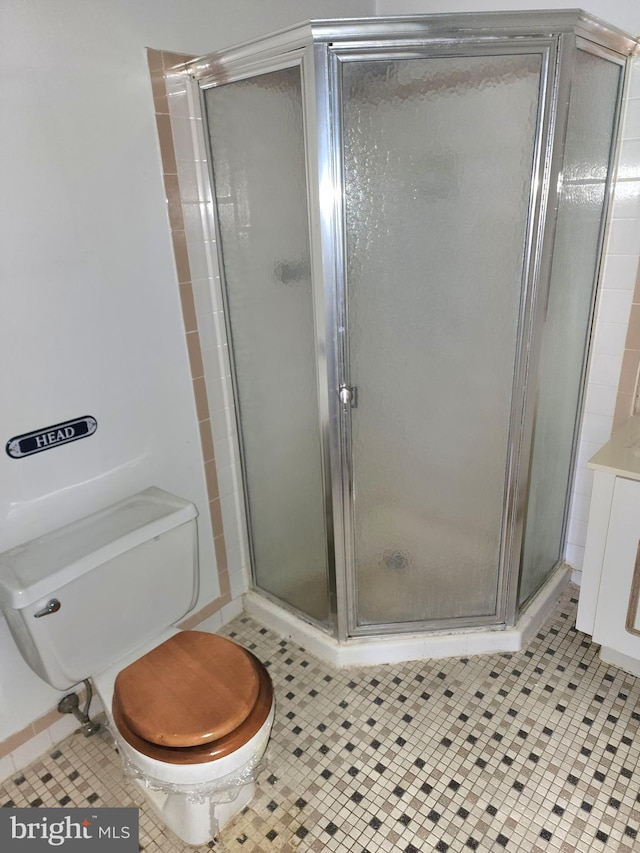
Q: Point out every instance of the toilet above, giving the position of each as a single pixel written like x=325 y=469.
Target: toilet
x=191 y=711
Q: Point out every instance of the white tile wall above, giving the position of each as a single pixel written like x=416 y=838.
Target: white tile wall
x=41 y=743
x=612 y=318
x=30 y=750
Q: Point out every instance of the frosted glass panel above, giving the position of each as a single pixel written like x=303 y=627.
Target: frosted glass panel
x=257 y=143
x=575 y=264
x=438 y=161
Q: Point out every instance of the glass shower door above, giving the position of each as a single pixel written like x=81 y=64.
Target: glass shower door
x=588 y=150
x=438 y=159
x=256 y=134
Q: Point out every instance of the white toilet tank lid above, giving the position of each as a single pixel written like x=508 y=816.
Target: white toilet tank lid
x=38 y=568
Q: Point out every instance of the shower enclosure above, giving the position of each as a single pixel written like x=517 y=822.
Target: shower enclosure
x=410 y=220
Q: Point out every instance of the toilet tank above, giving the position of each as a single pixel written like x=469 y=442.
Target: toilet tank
x=121 y=576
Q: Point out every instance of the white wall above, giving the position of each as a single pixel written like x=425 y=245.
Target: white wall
x=90 y=320
x=624 y=14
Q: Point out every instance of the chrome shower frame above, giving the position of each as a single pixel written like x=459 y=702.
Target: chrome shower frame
x=319 y=48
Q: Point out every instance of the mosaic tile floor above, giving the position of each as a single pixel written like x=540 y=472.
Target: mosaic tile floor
x=534 y=752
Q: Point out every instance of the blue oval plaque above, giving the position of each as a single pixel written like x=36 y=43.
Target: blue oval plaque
x=51 y=436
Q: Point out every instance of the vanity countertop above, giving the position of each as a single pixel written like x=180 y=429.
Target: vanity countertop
x=621 y=454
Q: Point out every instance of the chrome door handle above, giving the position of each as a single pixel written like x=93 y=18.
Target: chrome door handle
x=348 y=396
x=51 y=606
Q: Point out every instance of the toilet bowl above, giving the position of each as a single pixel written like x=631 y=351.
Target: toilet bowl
x=191 y=712
x=196 y=767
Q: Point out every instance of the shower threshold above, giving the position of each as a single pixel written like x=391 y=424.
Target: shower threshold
x=395 y=648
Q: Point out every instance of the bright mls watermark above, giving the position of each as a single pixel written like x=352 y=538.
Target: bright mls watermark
x=35 y=830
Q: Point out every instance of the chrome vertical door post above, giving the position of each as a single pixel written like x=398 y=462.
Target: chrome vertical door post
x=325 y=196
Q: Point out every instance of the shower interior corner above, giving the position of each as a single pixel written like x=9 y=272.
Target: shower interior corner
x=408 y=291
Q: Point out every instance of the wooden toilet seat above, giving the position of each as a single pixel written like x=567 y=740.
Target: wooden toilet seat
x=194 y=698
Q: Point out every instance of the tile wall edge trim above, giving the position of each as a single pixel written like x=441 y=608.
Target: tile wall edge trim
x=160 y=64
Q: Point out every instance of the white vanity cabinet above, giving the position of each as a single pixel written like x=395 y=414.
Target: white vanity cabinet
x=610 y=591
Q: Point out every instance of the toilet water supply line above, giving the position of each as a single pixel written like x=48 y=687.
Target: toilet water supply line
x=70 y=704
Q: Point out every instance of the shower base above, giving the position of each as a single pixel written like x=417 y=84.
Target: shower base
x=393 y=648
